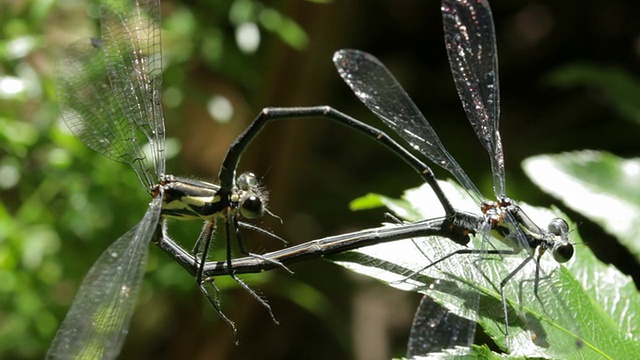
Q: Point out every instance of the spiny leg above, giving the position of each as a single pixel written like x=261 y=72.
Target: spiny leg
x=503 y=296
x=204 y=240
x=244 y=251
x=193 y=265
x=215 y=302
x=458 y=252
x=536 y=284
x=228 y=231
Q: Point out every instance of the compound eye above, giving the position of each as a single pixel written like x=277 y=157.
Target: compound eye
x=563 y=252
x=558 y=227
x=247 y=181
x=251 y=207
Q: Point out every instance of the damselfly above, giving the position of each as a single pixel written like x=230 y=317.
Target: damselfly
x=109 y=90
x=471 y=47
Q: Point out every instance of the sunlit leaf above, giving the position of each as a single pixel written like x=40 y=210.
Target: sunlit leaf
x=369 y=201
x=586 y=309
x=599 y=185
x=398 y=206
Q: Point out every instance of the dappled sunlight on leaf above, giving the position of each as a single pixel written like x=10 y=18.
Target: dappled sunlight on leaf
x=581 y=312
x=599 y=185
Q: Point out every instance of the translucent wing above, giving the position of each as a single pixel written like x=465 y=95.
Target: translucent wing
x=435 y=329
x=97 y=322
x=133 y=54
x=470 y=40
x=109 y=89
x=450 y=330
x=376 y=87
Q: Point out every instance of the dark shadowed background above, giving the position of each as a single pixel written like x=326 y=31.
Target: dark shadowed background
x=63 y=204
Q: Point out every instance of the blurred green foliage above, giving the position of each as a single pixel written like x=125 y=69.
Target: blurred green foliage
x=620 y=86
x=62 y=204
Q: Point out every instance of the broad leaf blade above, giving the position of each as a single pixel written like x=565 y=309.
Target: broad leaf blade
x=580 y=315
x=599 y=185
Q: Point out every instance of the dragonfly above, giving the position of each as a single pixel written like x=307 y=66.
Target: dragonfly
x=471 y=47
x=109 y=90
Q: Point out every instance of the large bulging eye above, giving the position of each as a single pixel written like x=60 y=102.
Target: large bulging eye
x=251 y=207
x=247 y=181
x=558 y=227
x=562 y=252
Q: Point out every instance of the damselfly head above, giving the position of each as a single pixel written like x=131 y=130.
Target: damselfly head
x=562 y=250
x=252 y=199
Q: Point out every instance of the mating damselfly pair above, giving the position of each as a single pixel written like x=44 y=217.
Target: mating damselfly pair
x=110 y=90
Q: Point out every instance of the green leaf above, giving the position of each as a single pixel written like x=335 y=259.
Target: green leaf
x=620 y=86
x=367 y=202
x=399 y=207
x=586 y=309
x=598 y=185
